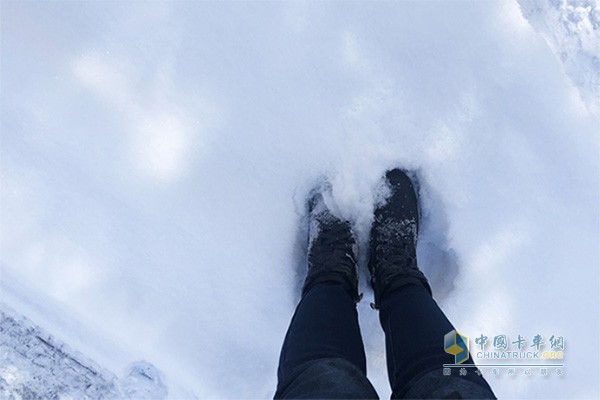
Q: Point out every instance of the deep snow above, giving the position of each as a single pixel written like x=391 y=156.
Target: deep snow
x=156 y=157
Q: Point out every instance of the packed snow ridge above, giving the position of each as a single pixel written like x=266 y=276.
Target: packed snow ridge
x=35 y=365
x=572 y=30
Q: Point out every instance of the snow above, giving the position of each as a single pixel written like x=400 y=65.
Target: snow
x=36 y=366
x=156 y=158
x=572 y=30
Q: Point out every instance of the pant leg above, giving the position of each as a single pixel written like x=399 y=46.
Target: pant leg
x=414 y=327
x=324 y=336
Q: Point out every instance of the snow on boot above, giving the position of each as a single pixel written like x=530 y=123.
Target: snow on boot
x=331 y=249
x=393 y=241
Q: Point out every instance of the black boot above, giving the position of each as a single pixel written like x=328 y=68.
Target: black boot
x=393 y=242
x=331 y=249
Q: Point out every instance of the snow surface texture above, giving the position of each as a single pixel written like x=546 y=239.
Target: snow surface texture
x=36 y=366
x=156 y=159
x=572 y=30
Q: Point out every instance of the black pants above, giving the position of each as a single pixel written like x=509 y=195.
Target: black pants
x=323 y=354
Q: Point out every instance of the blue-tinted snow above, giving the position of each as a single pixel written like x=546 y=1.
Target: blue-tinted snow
x=156 y=156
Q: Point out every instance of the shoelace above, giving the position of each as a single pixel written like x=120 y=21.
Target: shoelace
x=389 y=253
x=333 y=245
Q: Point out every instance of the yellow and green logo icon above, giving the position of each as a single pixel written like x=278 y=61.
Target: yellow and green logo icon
x=458 y=345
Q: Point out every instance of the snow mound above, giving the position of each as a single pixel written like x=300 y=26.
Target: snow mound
x=572 y=30
x=35 y=365
x=144 y=381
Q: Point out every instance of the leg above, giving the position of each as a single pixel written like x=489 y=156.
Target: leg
x=325 y=325
x=323 y=354
x=414 y=329
x=413 y=323
x=324 y=328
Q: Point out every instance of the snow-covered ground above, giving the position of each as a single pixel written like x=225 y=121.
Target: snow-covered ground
x=37 y=366
x=155 y=159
